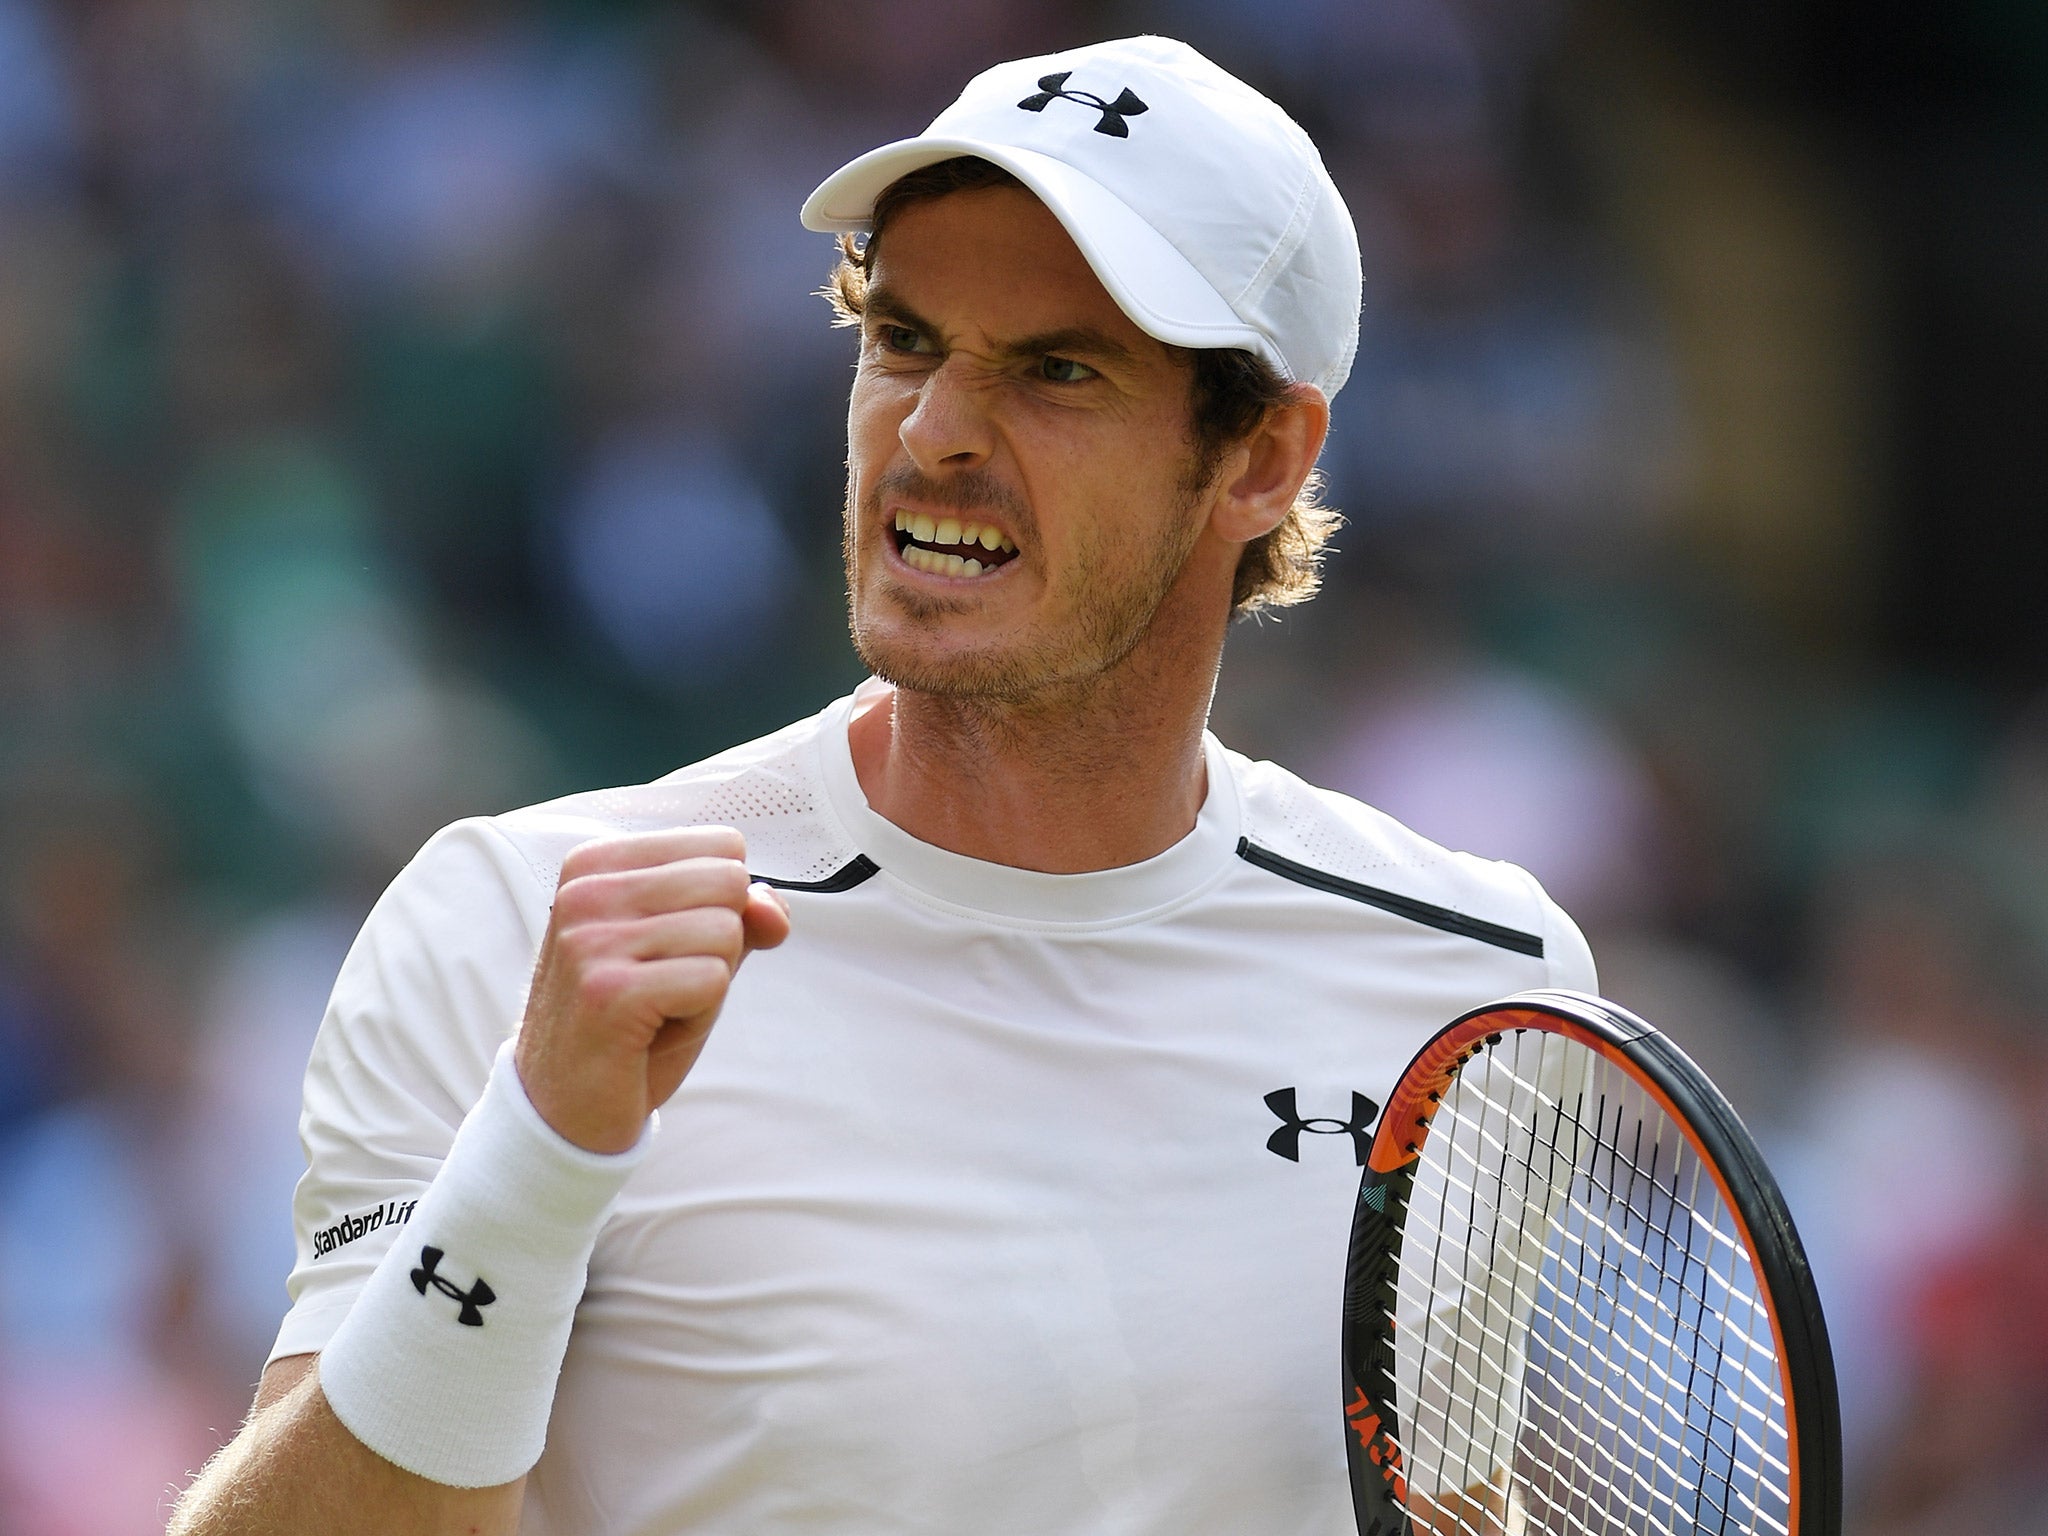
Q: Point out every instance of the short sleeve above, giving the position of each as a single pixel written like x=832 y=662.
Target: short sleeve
x=434 y=983
x=1565 y=950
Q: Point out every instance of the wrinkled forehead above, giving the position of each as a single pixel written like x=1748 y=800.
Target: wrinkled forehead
x=995 y=260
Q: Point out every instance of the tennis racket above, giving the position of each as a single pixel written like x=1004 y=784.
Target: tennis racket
x=1575 y=1302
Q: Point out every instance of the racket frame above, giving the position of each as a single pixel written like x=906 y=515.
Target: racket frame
x=1720 y=1140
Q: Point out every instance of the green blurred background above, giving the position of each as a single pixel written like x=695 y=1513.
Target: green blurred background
x=411 y=410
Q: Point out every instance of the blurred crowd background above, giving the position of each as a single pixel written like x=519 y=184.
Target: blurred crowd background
x=414 y=408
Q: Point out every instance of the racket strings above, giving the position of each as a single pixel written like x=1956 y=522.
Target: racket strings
x=1664 y=1215
x=1575 y=1309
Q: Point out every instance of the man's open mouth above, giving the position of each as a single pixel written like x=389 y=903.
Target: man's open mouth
x=951 y=546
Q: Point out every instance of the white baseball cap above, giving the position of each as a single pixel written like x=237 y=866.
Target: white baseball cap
x=1204 y=209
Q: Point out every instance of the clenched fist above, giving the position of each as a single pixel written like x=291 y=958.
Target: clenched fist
x=646 y=934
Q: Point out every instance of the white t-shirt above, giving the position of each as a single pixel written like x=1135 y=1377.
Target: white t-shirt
x=999 y=1202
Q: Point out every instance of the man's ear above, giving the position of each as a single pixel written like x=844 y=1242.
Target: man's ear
x=1264 y=474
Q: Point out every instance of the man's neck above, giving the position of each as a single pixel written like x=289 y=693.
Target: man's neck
x=1080 y=779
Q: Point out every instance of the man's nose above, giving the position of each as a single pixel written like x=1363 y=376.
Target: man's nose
x=949 y=428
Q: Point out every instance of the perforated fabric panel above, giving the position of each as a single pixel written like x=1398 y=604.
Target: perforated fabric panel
x=1339 y=836
x=1308 y=833
x=767 y=789
x=789 y=835
x=1332 y=833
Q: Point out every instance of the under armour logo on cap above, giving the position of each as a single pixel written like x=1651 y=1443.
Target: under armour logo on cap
x=473 y=1300
x=1052 y=88
x=1216 y=226
x=1287 y=1140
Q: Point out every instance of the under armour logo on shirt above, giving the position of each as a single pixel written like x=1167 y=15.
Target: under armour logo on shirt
x=1287 y=1140
x=473 y=1300
x=1053 y=88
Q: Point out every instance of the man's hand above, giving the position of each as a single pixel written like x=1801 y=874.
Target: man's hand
x=1485 y=1509
x=645 y=937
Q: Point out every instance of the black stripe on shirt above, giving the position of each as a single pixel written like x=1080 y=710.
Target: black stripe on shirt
x=1424 y=912
x=844 y=879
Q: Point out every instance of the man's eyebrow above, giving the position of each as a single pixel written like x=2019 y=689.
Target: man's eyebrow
x=1083 y=339
x=883 y=302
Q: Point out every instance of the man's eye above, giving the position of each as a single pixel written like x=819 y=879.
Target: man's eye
x=1064 y=370
x=900 y=338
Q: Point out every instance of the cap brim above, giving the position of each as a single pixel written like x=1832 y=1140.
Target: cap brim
x=1160 y=289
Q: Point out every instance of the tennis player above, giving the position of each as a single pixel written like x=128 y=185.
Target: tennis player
x=1009 y=1194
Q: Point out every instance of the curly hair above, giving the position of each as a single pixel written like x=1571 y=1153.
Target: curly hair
x=1231 y=395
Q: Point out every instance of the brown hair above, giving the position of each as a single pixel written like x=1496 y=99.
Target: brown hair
x=1232 y=392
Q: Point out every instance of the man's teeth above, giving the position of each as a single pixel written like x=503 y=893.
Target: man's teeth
x=949 y=530
x=938 y=564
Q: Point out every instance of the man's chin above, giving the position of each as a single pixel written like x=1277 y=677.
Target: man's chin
x=993 y=674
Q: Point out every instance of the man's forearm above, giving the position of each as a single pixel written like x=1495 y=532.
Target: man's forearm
x=295 y=1467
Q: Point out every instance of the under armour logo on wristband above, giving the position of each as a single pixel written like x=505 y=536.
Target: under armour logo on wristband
x=1052 y=88
x=473 y=1300
x=1287 y=1140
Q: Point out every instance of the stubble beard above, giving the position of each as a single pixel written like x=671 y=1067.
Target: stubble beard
x=1113 y=612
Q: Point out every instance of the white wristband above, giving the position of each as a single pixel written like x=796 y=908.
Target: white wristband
x=447 y=1362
